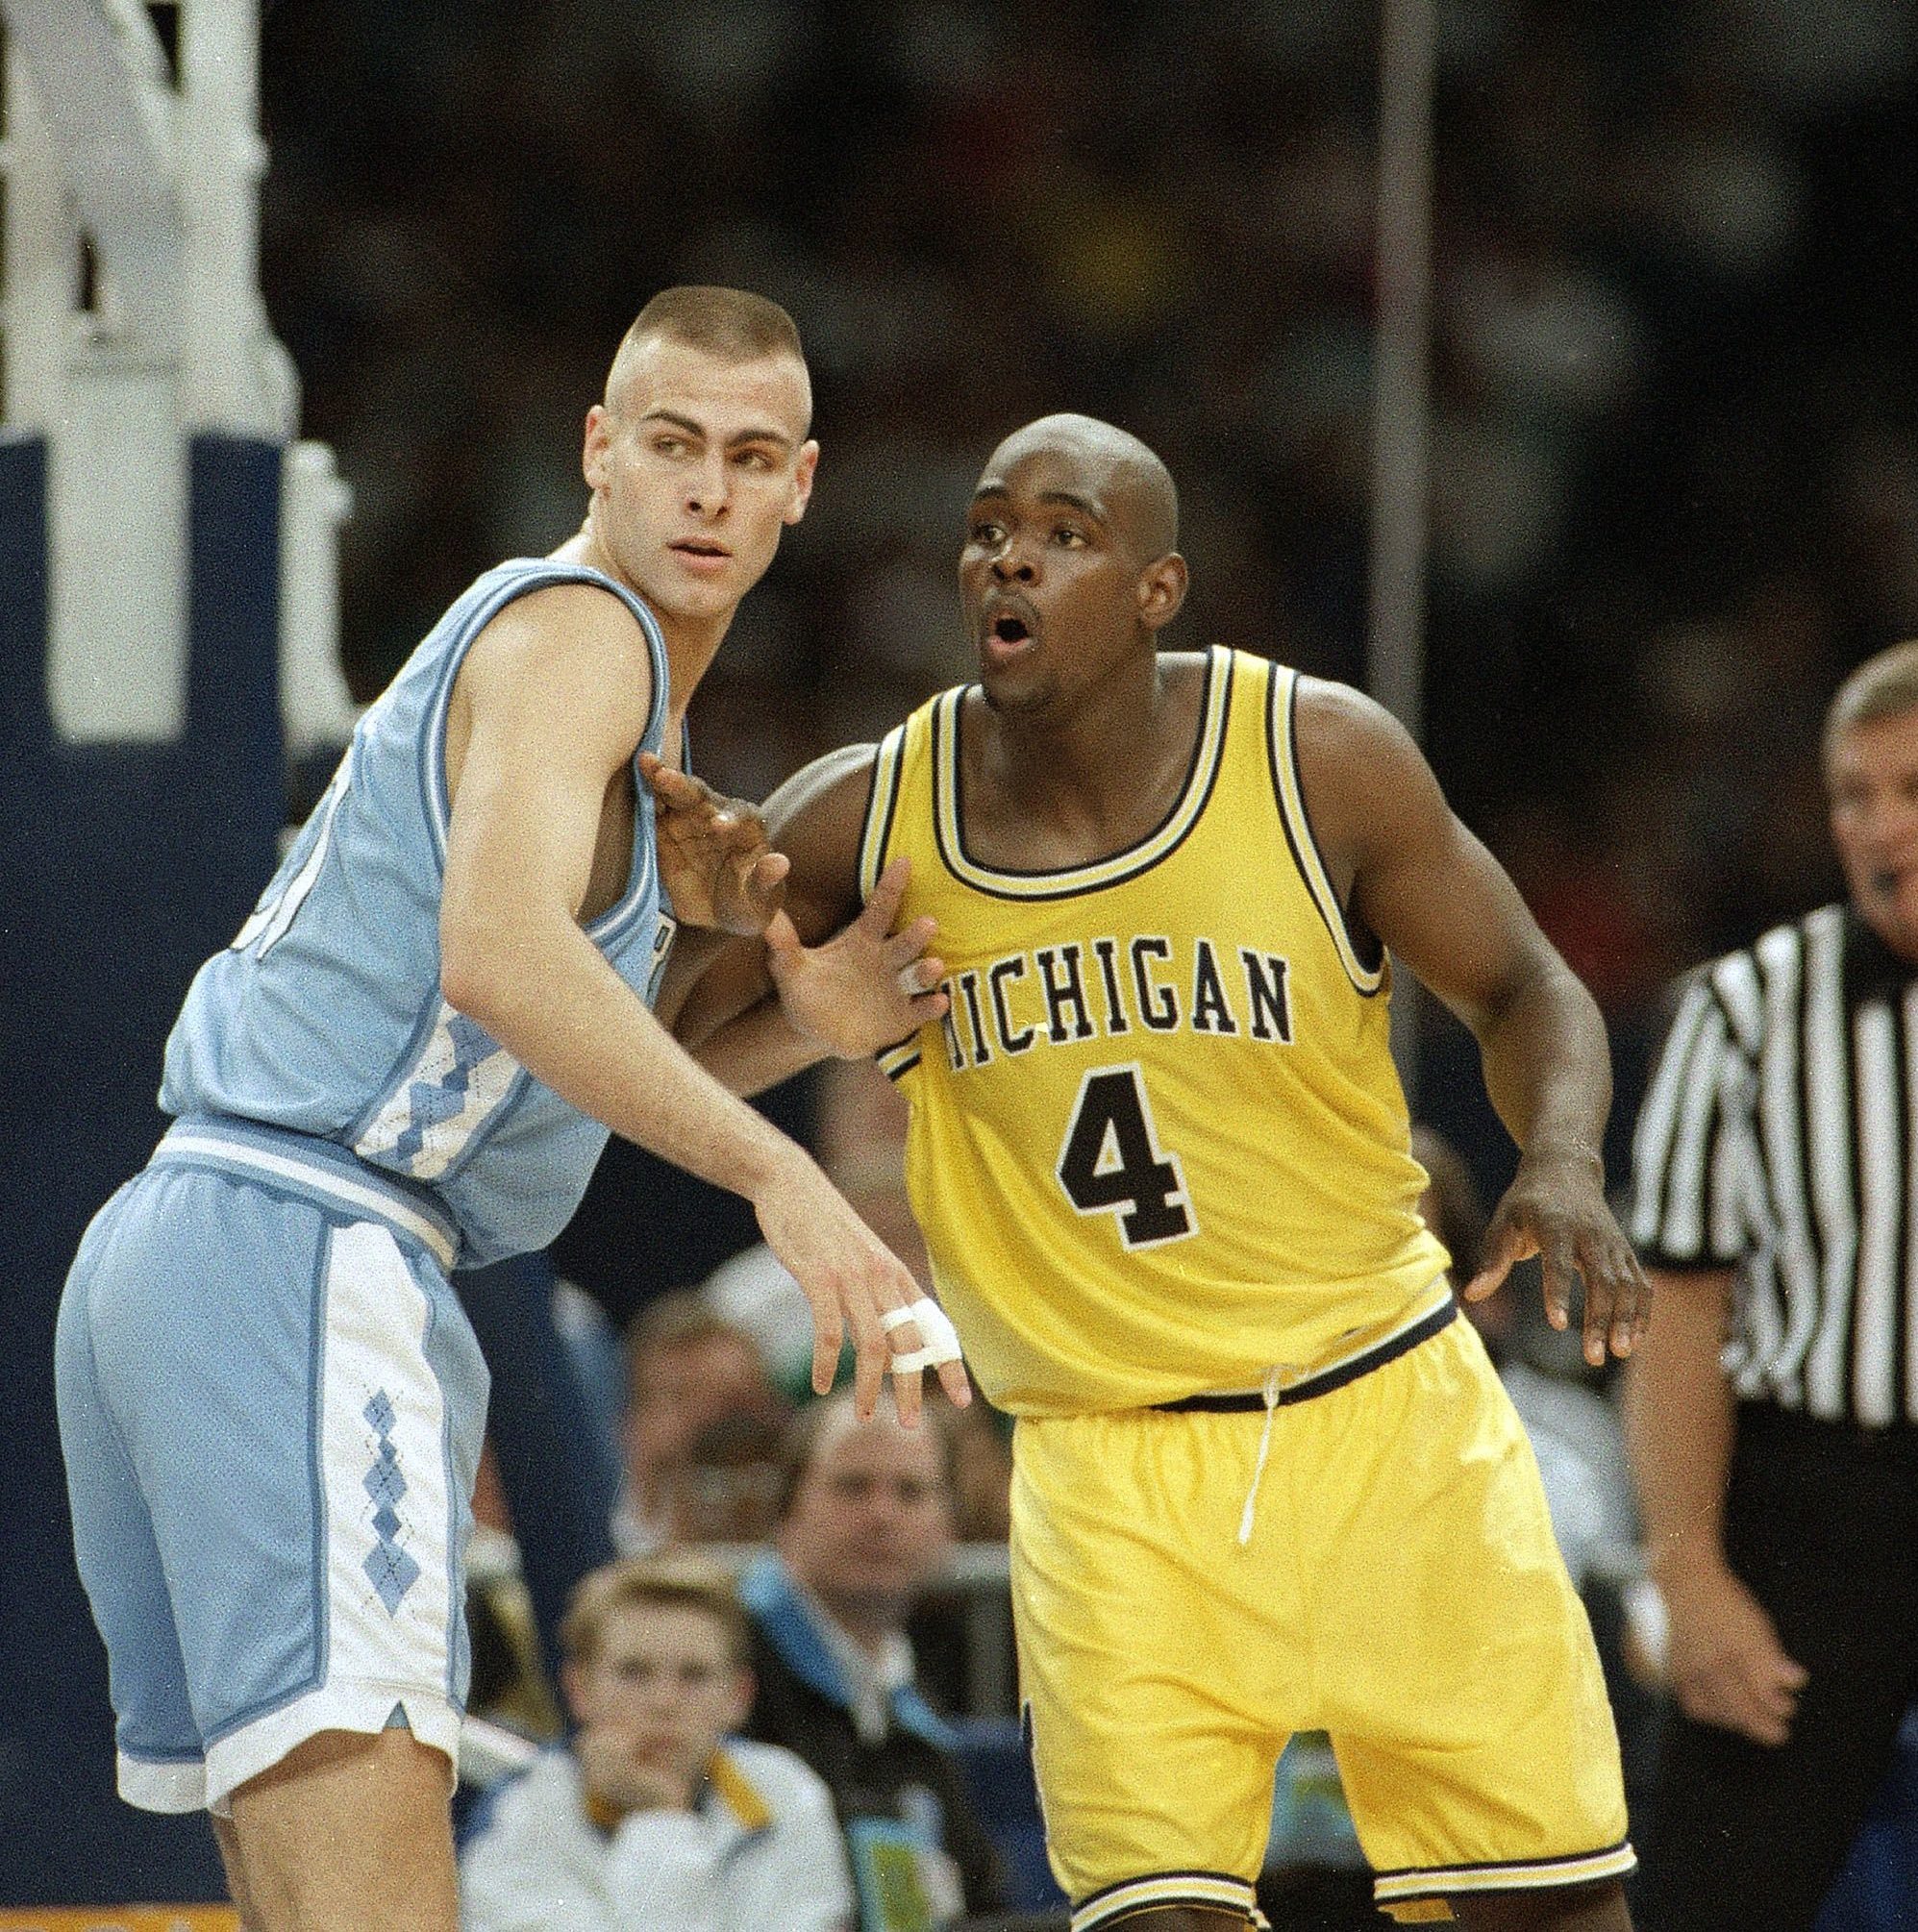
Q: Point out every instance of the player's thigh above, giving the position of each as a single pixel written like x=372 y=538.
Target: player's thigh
x=301 y=1399
x=1576 y=1908
x=349 y=1833
x=1156 y=1698
x=1465 y=1696
x=158 y=1739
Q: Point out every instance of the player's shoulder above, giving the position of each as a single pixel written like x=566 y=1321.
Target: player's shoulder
x=558 y=612
x=1340 y=713
x=572 y=645
x=834 y=783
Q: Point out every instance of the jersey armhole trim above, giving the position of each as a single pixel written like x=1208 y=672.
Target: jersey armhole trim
x=896 y=1062
x=888 y=768
x=543 y=575
x=1281 y=744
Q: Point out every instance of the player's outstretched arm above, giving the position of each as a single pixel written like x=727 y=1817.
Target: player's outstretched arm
x=1414 y=876
x=548 y=707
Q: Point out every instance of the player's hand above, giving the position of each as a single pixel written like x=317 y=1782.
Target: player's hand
x=715 y=861
x=1724 y=1662
x=866 y=988
x=1555 y=1209
x=853 y=1283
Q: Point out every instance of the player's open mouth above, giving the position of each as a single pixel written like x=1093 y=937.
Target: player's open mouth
x=1006 y=636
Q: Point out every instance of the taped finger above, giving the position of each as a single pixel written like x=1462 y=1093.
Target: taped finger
x=940 y=1339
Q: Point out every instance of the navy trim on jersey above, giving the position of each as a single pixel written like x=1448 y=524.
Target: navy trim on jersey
x=955 y=701
x=1291 y=840
x=1245 y=1400
x=876 y=822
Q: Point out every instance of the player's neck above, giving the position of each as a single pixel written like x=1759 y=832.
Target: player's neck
x=1090 y=759
x=692 y=642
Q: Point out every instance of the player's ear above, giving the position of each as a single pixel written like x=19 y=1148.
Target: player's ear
x=598 y=444
x=1163 y=590
x=802 y=481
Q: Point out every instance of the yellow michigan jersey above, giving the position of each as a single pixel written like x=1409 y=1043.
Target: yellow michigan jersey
x=1157 y=1146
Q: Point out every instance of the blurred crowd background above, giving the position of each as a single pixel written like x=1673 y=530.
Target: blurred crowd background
x=1675 y=426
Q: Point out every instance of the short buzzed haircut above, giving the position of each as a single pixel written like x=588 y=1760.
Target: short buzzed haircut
x=731 y=324
x=676 y=1580
x=1884 y=687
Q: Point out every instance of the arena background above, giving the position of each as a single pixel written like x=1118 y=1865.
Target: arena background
x=1673 y=491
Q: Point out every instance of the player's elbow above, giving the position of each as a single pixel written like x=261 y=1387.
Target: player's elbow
x=1537 y=979
x=473 y=979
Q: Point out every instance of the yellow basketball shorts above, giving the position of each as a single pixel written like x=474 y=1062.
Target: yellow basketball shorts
x=1399 y=1589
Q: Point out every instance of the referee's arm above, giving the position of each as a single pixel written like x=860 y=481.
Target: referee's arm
x=1726 y=1663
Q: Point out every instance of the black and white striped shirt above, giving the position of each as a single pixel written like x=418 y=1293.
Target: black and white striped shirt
x=1779 y=1137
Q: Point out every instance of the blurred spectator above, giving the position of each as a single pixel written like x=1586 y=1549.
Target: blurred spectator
x=654 y=1819
x=865 y=1526
x=702 y=1429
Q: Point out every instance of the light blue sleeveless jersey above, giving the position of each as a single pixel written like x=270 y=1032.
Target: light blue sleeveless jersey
x=325 y=1016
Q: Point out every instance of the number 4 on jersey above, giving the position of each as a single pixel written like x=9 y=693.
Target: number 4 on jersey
x=1111 y=1162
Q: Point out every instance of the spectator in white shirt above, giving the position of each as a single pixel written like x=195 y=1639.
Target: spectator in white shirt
x=655 y=1820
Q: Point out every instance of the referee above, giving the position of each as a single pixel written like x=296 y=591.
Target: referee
x=1772 y=1412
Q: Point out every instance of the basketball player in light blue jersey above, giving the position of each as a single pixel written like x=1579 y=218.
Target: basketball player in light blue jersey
x=271 y=1404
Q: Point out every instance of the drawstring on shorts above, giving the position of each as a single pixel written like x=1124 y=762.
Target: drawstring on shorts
x=1270 y=1393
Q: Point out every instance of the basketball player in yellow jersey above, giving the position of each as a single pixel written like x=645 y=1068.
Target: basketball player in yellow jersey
x=1265 y=1479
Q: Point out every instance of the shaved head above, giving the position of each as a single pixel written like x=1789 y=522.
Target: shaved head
x=1123 y=481
x=729 y=325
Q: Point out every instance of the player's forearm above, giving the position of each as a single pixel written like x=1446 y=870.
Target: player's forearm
x=694 y=953
x=756 y=1050
x=1546 y=1064
x=1679 y=1421
x=545 y=994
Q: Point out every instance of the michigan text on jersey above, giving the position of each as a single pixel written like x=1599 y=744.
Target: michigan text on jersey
x=1106 y=987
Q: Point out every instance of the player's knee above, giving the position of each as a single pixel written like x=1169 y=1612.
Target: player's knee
x=1560 y=1908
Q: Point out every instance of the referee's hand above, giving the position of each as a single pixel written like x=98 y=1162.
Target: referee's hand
x=1724 y=1662
x=1555 y=1209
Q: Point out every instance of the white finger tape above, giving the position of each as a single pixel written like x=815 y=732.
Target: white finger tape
x=909 y=981
x=940 y=1337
